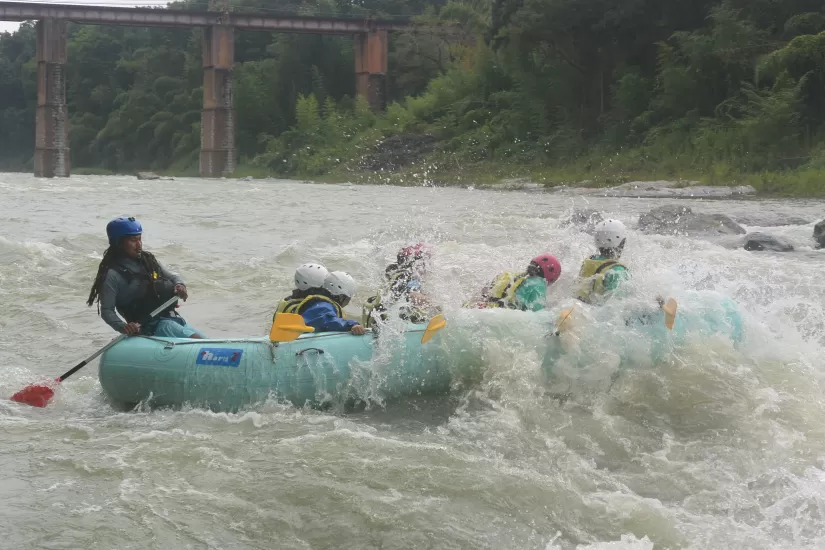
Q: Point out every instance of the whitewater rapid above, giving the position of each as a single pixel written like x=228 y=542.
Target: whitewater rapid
x=711 y=445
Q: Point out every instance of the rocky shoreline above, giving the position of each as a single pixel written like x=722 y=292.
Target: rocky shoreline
x=631 y=190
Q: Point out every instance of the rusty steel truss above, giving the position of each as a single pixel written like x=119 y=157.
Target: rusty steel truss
x=162 y=17
x=218 y=154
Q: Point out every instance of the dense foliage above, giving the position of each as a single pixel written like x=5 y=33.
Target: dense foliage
x=719 y=87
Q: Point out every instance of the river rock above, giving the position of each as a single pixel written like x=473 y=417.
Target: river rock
x=673 y=219
x=758 y=241
x=585 y=220
x=819 y=234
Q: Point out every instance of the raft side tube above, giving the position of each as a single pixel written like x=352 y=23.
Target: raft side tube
x=229 y=374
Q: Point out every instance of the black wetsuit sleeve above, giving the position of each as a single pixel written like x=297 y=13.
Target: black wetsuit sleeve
x=112 y=287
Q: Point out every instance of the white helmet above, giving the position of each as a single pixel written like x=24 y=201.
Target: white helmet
x=609 y=233
x=310 y=276
x=339 y=283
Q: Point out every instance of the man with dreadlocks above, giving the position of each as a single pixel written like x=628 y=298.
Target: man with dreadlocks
x=132 y=283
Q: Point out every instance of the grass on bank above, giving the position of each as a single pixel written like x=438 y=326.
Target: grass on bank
x=329 y=142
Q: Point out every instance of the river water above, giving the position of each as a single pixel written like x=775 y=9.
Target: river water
x=715 y=445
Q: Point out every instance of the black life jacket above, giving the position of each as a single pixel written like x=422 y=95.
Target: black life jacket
x=155 y=290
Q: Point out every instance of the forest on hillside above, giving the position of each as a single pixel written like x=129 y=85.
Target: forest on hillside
x=708 y=87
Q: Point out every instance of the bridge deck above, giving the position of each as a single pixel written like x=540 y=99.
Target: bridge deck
x=162 y=17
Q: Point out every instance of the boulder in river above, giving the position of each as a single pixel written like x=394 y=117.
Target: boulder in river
x=585 y=219
x=758 y=241
x=819 y=234
x=674 y=219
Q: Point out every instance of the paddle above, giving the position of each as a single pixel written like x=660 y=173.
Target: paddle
x=287 y=327
x=566 y=313
x=669 y=308
x=436 y=323
x=40 y=395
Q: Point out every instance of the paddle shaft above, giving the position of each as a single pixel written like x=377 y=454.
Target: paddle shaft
x=558 y=327
x=93 y=356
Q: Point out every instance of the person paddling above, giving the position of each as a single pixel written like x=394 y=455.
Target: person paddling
x=130 y=283
x=526 y=291
x=309 y=284
x=603 y=273
x=404 y=283
x=326 y=314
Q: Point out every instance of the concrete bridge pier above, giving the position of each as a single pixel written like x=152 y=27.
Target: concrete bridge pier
x=371 y=67
x=51 y=149
x=218 y=155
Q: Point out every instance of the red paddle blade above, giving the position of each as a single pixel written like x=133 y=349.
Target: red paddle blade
x=36 y=396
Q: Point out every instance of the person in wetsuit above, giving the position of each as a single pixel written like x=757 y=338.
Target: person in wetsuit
x=404 y=283
x=603 y=273
x=525 y=291
x=309 y=283
x=130 y=284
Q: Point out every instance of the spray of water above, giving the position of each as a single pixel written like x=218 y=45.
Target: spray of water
x=614 y=434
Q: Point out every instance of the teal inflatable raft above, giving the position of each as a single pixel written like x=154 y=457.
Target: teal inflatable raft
x=314 y=370
x=641 y=336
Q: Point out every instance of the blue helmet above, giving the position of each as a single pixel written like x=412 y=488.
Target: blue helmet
x=122 y=227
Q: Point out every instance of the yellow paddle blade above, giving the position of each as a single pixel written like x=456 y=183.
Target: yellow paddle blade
x=670 y=308
x=287 y=327
x=436 y=323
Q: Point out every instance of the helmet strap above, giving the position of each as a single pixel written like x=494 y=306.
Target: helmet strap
x=615 y=252
x=535 y=270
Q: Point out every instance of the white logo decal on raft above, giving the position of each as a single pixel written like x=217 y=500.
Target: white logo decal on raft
x=219 y=357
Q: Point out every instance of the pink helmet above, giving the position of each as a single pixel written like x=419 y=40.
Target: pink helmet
x=409 y=254
x=548 y=267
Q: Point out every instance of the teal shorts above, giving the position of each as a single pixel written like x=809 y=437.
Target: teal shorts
x=170 y=327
